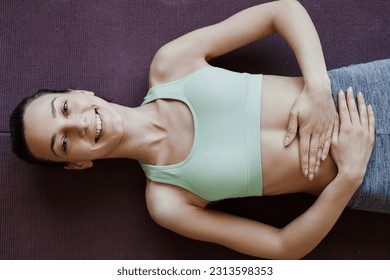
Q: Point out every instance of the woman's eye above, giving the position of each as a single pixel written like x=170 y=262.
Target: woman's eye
x=65 y=143
x=65 y=108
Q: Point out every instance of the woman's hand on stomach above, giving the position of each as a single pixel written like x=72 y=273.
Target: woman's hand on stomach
x=353 y=139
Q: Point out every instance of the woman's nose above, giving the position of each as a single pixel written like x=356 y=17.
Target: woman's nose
x=79 y=125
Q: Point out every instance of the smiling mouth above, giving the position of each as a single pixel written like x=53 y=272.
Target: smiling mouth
x=98 y=126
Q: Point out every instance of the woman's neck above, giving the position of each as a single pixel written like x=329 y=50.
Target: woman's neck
x=144 y=132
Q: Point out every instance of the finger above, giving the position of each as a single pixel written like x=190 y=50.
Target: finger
x=319 y=153
x=328 y=138
x=371 y=121
x=313 y=155
x=336 y=130
x=351 y=103
x=344 y=117
x=304 y=146
x=362 y=111
x=291 y=128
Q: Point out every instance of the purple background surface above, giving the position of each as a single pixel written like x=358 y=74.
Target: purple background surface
x=106 y=47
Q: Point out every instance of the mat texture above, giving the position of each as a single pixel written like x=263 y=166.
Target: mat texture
x=107 y=46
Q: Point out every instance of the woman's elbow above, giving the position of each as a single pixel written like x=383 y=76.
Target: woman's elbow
x=287 y=249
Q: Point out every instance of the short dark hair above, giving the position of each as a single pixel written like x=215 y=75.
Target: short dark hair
x=18 y=137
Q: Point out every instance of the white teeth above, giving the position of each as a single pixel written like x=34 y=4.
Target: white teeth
x=98 y=126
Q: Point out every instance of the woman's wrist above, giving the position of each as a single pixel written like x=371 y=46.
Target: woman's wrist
x=351 y=176
x=341 y=189
x=318 y=83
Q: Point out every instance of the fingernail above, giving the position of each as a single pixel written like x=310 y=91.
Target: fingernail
x=306 y=172
x=311 y=176
x=323 y=157
x=286 y=140
x=341 y=92
x=350 y=88
x=360 y=93
x=316 y=170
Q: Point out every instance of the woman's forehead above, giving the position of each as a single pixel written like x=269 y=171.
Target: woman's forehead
x=42 y=100
x=38 y=125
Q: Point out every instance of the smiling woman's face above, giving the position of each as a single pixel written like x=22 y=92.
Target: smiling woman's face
x=72 y=127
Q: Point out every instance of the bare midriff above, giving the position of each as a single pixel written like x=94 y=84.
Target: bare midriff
x=281 y=168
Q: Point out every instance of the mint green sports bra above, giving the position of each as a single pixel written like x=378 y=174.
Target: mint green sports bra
x=225 y=160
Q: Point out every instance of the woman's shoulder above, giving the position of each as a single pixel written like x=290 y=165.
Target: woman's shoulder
x=167 y=195
x=164 y=200
x=167 y=204
x=167 y=66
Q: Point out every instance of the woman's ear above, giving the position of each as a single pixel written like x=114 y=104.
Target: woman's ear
x=79 y=165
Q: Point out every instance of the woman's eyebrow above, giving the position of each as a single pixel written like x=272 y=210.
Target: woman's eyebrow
x=53 y=108
x=53 y=138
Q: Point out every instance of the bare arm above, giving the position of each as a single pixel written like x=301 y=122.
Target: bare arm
x=352 y=144
x=255 y=238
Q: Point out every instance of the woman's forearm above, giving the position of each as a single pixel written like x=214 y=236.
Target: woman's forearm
x=313 y=114
x=296 y=27
x=304 y=233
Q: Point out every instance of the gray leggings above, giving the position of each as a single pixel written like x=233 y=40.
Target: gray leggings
x=373 y=80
